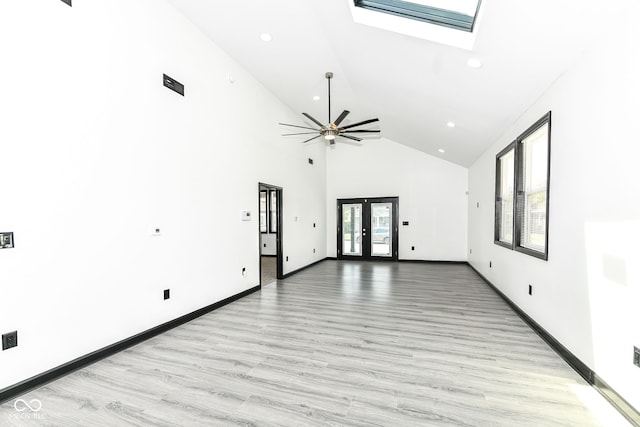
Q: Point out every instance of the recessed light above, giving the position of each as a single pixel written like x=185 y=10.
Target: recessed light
x=316 y=98
x=474 y=63
x=441 y=150
x=451 y=124
x=266 y=37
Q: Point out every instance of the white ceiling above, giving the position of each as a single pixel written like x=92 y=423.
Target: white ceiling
x=414 y=86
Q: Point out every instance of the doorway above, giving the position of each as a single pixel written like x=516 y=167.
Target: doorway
x=368 y=228
x=270 y=232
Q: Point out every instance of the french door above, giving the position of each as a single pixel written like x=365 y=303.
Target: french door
x=368 y=228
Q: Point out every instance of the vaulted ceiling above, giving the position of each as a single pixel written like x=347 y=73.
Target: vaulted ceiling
x=413 y=85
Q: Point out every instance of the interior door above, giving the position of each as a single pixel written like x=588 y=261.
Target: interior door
x=270 y=229
x=368 y=228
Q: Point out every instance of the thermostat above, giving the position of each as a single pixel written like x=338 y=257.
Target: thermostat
x=246 y=215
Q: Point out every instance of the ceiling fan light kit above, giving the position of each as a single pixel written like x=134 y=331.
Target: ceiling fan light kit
x=333 y=129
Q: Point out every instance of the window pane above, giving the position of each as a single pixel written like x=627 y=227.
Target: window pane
x=263 y=211
x=273 y=212
x=456 y=14
x=533 y=225
x=464 y=7
x=505 y=197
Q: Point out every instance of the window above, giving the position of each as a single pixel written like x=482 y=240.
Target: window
x=533 y=188
x=273 y=218
x=456 y=14
x=268 y=211
x=505 y=185
x=263 y=211
x=521 y=222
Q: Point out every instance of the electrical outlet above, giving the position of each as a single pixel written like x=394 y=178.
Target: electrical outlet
x=530 y=290
x=314 y=250
x=470 y=251
x=413 y=248
x=9 y=340
x=287 y=258
x=167 y=293
x=490 y=264
x=636 y=356
x=244 y=271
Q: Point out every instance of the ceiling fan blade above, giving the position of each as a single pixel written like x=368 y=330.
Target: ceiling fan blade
x=313 y=120
x=361 y=131
x=301 y=133
x=296 y=126
x=364 y=122
x=311 y=139
x=350 y=137
x=341 y=117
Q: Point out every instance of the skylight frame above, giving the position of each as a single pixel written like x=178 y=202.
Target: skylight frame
x=422 y=13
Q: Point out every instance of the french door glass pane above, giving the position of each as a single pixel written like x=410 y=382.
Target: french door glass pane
x=535 y=156
x=380 y=229
x=352 y=229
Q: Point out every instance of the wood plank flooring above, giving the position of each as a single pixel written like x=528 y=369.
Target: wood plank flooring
x=340 y=344
x=268 y=270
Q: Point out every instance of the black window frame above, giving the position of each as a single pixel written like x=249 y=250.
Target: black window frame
x=498 y=198
x=518 y=200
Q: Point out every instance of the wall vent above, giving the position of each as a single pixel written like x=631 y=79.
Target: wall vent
x=173 y=84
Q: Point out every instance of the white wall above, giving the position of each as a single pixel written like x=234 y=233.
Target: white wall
x=268 y=244
x=588 y=293
x=431 y=191
x=96 y=153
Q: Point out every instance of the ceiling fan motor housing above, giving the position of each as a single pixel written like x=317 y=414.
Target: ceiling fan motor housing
x=330 y=133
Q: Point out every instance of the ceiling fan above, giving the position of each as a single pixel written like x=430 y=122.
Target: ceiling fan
x=333 y=129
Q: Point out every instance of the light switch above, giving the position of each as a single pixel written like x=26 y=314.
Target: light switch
x=6 y=240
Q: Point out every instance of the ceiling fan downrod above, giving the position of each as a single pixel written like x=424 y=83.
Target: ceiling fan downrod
x=329 y=76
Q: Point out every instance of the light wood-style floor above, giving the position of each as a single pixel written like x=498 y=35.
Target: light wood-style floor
x=268 y=270
x=339 y=344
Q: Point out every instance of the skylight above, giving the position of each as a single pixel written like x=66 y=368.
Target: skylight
x=457 y=14
x=451 y=22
